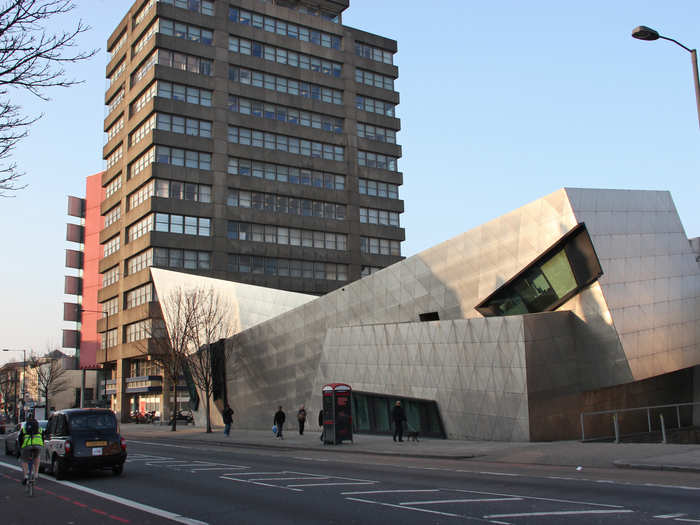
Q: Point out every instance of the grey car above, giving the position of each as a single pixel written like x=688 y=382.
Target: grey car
x=12 y=446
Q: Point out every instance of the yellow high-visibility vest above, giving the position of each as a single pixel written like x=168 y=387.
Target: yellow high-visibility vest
x=33 y=440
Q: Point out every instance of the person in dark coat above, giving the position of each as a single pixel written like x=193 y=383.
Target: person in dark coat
x=279 y=421
x=301 y=418
x=399 y=416
x=228 y=419
x=320 y=422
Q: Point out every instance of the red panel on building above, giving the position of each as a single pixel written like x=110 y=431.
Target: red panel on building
x=92 y=279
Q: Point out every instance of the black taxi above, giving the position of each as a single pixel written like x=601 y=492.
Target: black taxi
x=83 y=438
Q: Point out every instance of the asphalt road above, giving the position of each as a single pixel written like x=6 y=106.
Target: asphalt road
x=188 y=484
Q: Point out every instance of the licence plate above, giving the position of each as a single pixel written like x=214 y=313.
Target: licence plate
x=97 y=451
x=95 y=443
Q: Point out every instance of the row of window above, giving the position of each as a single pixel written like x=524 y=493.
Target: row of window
x=170 y=189
x=280 y=27
x=374 y=53
x=141 y=295
x=112 y=216
x=288 y=205
x=191 y=95
x=244 y=231
x=378 y=133
x=369 y=270
x=189 y=126
x=111 y=276
x=120 y=43
x=376 y=246
x=140 y=228
x=203 y=7
x=371 y=78
x=246 y=106
x=175 y=156
x=186 y=31
x=186 y=259
x=378 y=189
x=113 y=186
x=114 y=157
x=287 y=267
x=109 y=339
x=115 y=101
x=167 y=222
x=116 y=73
x=373 y=105
x=110 y=307
x=376 y=160
x=284 y=56
x=115 y=128
x=251 y=77
x=143 y=12
x=111 y=246
x=383 y=217
x=293 y=145
x=290 y=174
x=306 y=10
x=174 y=59
x=143 y=130
x=145 y=38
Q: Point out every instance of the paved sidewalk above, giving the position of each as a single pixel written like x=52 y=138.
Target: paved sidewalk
x=564 y=453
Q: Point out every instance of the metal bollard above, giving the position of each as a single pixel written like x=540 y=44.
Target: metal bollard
x=663 y=429
x=617 y=428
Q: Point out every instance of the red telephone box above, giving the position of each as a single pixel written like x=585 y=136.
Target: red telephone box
x=337 y=413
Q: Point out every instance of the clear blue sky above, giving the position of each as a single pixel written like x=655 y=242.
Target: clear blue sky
x=501 y=102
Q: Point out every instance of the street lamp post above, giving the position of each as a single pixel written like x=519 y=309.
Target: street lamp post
x=649 y=34
x=24 y=373
x=82 y=381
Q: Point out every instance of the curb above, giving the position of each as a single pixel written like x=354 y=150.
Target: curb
x=654 y=466
x=263 y=446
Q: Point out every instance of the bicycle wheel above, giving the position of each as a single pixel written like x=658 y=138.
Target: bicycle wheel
x=30 y=486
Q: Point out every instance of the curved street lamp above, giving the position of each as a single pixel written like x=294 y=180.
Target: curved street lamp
x=648 y=34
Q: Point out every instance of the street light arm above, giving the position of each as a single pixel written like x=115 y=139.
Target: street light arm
x=676 y=42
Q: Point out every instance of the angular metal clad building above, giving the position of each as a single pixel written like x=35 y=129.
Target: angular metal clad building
x=580 y=301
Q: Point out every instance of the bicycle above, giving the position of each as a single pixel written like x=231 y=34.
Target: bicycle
x=30 y=477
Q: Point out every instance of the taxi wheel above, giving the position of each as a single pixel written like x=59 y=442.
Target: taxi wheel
x=118 y=469
x=57 y=468
x=7 y=449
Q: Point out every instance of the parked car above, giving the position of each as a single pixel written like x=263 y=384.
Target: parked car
x=183 y=415
x=12 y=446
x=83 y=438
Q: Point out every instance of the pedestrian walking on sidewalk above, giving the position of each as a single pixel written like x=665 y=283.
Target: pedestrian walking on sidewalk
x=320 y=423
x=399 y=416
x=228 y=419
x=279 y=421
x=301 y=417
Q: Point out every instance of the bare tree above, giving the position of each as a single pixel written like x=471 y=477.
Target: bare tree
x=213 y=322
x=168 y=339
x=32 y=56
x=51 y=377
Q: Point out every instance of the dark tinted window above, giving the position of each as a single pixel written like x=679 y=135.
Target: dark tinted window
x=80 y=422
x=61 y=427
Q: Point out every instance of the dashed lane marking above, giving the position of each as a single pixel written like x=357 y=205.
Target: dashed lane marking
x=334 y=484
x=360 y=500
x=446 y=501
x=558 y=513
x=397 y=491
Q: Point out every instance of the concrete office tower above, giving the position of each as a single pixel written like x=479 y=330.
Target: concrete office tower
x=247 y=140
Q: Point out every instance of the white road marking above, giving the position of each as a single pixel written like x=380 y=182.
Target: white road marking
x=387 y=491
x=536 y=498
x=670 y=486
x=669 y=516
x=687 y=519
x=479 y=500
x=260 y=483
x=122 y=501
x=557 y=513
x=500 y=474
x=339 y=483
x=289 y=479
x=407 y=508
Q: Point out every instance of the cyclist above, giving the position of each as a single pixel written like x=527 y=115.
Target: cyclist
x=31 y=441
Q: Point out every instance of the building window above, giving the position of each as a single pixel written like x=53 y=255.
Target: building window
x=286 y=114
x=287 y=267
x=186 y=31
x=143 y=130
x=370 y=132
x=243 y=231
x=111 y=307
x=140 y=228
x=143 y=12
x=142 y=162
x=109 y=339
x=381 y=217
x=369 y=270
x=181 y=157
x=184 y=125
x=139 y=261
x=283 y=204
x=370 y=78
x=115 y=101
x=293 y=145
x=375 y=246
x=138 y=296
x=115 y=128
x=373 y=105
x=284 y=56
x=203 y=7
x=113 y=215
x=191 y=95
x=142 y=194
x=376 y=160
x=183 y=224
x=252 y=77
x=143 y=99
x=111 y=246
x=378 y=189
x=118 y=71
x=374 y=53
x=114 y=157
x=187 y=259
x=110 y=277
x=113 y=186
x=171 y=189
x=288 y=174
x=115 y=49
